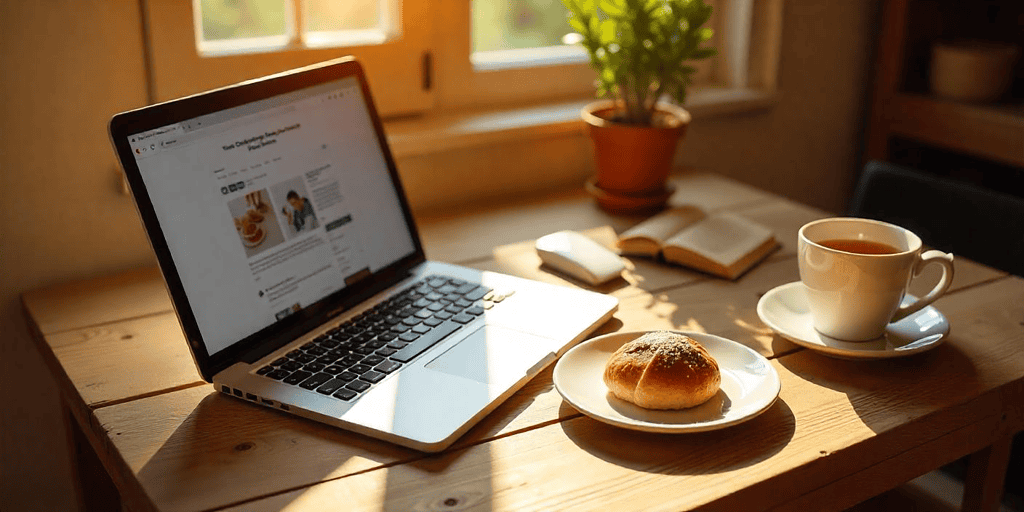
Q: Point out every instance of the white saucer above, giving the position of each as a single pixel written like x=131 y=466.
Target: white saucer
x=749 y=387
x=785 y=310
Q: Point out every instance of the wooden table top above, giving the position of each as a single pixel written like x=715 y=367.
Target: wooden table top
x=842 y=431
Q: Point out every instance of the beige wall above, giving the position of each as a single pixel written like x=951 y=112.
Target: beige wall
x=66 y=66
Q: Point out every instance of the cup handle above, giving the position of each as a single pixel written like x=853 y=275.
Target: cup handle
x=946 y=260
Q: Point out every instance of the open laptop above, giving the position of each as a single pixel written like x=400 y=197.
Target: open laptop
x=297 y=274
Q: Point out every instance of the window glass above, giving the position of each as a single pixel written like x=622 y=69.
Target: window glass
x=517 y=24
x=242 y=19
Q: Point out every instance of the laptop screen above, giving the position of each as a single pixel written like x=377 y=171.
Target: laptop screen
x=273 y=205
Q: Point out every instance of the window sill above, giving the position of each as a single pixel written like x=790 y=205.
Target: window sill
x=437 y=134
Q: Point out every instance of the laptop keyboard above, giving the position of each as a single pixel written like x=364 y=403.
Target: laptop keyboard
x=350 y=358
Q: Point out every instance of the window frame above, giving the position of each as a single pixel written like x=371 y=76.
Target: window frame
x=177 y=67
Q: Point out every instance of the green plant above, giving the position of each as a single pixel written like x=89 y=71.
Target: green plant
x=639 y=47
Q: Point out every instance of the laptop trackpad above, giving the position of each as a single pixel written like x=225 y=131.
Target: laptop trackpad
x=494 y=355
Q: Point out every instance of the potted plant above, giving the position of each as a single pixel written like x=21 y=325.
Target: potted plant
x=639 y=49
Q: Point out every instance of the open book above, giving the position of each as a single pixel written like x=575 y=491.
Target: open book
x=722 y=244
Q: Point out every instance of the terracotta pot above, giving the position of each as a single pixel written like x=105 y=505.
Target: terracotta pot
x=632 y=160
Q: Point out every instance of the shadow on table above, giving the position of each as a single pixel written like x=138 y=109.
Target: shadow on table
x=912 y=386
x=228 y=451
x=711 y=452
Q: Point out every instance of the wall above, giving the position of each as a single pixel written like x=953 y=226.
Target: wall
x=67 y=66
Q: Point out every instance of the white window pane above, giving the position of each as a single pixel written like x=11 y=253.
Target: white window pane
x=500 y=25
x=223 y=20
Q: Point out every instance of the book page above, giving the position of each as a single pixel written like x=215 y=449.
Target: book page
x=723 y=238
x=659 y=228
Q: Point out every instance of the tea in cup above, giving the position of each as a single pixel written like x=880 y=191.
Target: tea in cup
x=856 y=273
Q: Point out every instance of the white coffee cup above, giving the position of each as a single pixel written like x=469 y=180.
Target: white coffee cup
x=854 y=295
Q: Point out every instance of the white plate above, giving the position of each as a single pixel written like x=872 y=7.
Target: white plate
x=749 y=387
x=785 y=310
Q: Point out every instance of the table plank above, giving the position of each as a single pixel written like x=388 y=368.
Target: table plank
x=120 y=360
x=834 y=418
x=98 y=300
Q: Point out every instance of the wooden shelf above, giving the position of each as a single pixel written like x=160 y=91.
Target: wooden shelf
x=990 y=131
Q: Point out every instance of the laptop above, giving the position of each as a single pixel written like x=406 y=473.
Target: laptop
x=296 y=271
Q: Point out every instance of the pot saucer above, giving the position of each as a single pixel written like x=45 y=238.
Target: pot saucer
x=617 y=203
x=785 y=310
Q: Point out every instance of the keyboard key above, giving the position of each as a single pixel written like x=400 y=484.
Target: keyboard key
x=475 y=310
x=397 y=344
x=372 y=376
x=418 y=329
x=433 y=322
x=422 y=302
x=424 y=342
x=304 y=358
x=297 y=377
x=399 y=328
x=363 y=351
x=435 y=306
x=386 y=351
x=314 y=367
x=375 y=344
x=358 y=385
x=437 y=282
x=291 y=366
x=345 y=394
x=279 y=374
x=388 y=336
x=334 y=369
x=294 y=353
x=265 y=370
x=424 y=313
x=463 y=318
x=359 y=368
x=279 y=361
x=446 y=289
x=330 y=386
x=347 y=376
x=465 y=288
x=433 y=296
x=412 y=320
x=409 y=336
x=463 y=303
x=387 y=366
x=452 y=297
x=308 y=346
x=315 y=381
x=372 y=360
x=325 y=360
x=329 y=343
x=350 y=360
x=443 y=315
x=316 y=351
x=456 y=281
x=478 y=293
x=453 y=309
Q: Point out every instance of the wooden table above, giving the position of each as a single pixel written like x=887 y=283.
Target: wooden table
x=842 y=431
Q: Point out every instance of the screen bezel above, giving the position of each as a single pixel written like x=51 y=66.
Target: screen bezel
x=280 y=333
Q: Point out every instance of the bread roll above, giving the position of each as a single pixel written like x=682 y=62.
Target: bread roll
x=663 y=370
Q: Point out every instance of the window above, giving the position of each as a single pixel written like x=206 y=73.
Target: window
x=423 y=54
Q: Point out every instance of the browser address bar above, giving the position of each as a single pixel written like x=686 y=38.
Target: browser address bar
x=230 y=124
